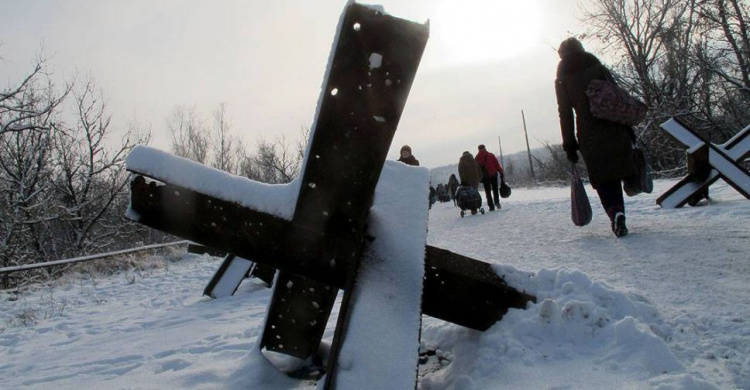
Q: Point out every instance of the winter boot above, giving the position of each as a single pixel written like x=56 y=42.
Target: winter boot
x=618 y=225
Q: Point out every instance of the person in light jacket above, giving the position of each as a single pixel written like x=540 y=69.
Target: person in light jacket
x=606 y=147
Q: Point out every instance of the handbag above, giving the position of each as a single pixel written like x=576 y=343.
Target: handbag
x=641 y=181
x=504 y=189
x=610 y=102
x=580 y=208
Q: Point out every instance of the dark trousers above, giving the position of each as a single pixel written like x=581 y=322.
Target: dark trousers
x=610 y=194
x=490 y=190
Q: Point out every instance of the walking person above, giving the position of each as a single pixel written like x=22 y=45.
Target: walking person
x=452 y=186
x=467 y=195
x=406 y=157
x=606 y=147
x=491 y=168
x=469 y=171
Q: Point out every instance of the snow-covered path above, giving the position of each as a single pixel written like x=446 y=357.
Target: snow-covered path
x=692 y=264
x=667 y=307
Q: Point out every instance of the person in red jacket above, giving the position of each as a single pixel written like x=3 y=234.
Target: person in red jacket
x=490 y=167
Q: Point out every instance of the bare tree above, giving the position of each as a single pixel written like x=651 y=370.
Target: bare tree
x=674 y=59
x=727 y=26
x=274 y=162
x=25 y=172
x=27 y=116
x=226 y=149
x=61 y=172
x=723 y=54
x=90 y=173
x=31 y=104
x=634 y=29
x=304 y=136
x=190 y=138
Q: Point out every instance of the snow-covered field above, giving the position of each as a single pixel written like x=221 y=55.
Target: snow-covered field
x=667 y=307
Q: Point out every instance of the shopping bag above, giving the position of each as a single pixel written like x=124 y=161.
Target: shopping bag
x=641 y=181
x=580 y=208
x=504 y=189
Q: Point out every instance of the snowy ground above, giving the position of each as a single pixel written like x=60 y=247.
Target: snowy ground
x=667 y=307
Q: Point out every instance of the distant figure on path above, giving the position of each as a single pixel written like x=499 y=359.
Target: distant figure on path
x=491 y=168
x=406 y=156
x=606 y=147
x=442 y=193
x=452 y=186
x=432 y=196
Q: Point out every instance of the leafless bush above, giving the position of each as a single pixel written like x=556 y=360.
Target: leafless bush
x=31 y=314
x=62 y=179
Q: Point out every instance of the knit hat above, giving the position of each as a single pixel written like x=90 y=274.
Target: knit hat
x=570 y=45
x=481 y=147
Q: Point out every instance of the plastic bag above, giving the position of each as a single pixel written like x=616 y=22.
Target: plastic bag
x=641 y=181
x=504 y=189
x=580 y=208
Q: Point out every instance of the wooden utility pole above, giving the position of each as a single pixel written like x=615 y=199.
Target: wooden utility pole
x=528 y=149
x=500 y=145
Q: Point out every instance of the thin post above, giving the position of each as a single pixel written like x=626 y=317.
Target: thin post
x=500 y=145
x=528 y=149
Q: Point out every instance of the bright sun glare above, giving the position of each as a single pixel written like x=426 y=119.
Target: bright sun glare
x=485 y=30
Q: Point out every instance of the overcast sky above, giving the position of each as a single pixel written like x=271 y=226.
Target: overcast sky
x=485 y=61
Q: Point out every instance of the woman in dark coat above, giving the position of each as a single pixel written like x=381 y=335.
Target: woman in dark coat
x=606 y=146
x=469 y=171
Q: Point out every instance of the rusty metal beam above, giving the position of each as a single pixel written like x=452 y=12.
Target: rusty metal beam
x=457 y=288
x=466 y=291
x=247 y=233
